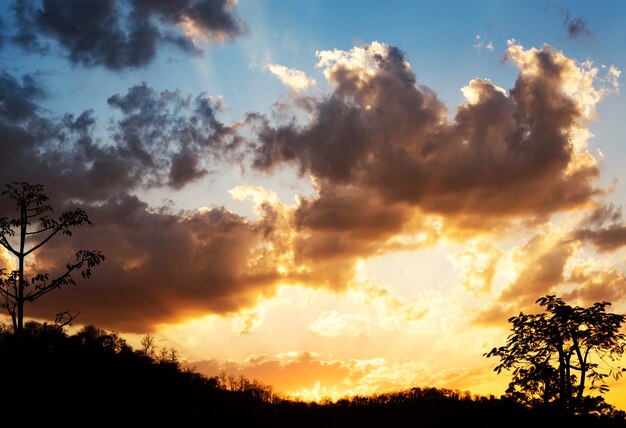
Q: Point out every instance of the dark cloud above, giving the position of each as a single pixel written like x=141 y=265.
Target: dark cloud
x=384 y=156
x=503 y=155
x=170 y=137
x=18 y=99
x=604 y=228
x=120 y=34
x=576 y=27
x=2 y=33
x=158 y=139
x=161 y=267
x=385 y=161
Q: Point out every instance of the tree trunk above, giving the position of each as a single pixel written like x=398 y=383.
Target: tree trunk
x=583 y=373
x=568 y=379
x=21 y=281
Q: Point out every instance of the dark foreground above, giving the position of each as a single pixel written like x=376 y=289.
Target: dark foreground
x=93 y=379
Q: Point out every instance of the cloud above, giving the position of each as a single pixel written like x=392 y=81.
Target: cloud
x=480 y=44
x=122 y=34
x=583 y=286
x=383 y=311
x=19 y=97
x=169 y=136
x=604 y=228
x=550 y=263
x=576 y=28
x=394 y=312
x=543 y=261
x=296 y=80
x=332 y=323
x=380 y=131
x=477 y=265
x=163 y=267
x=387 y=163
x=595 y=286
x=165 y=139
x=536 y=268
x=311 y=376
x=389 y=169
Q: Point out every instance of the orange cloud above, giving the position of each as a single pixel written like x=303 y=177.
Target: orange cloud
x=604 y=228
x=311 y=376
x=162 y=267
x=386 y=161
x=596 y=286
x=390 y=171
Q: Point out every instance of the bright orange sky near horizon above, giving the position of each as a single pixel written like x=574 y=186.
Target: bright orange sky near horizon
x=328 y=198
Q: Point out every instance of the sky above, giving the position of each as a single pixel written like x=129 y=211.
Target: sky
x=332 y=198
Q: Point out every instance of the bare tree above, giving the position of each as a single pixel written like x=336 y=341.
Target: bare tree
x=31 y=229
x=148 y=345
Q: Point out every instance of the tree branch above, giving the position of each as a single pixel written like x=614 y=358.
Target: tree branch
x=7 y=293
x=83 y=257
x=39 y=231
x=5 y=244
x=36 y=247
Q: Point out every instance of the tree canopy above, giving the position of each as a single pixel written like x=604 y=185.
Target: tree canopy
x=562 y=356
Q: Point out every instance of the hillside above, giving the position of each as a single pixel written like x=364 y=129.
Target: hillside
x=93 y=378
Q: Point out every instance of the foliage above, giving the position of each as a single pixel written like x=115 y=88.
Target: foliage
x=21 y=239
x=553 y=354
x=94 y=378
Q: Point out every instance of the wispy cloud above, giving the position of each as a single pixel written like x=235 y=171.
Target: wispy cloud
x=577 y=28
x=481 y=43
x=295 y=79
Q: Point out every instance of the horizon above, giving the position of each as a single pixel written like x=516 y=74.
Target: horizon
x=331 y=199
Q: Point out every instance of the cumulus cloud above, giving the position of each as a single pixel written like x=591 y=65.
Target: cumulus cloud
x=382 y=308
x=394 y=312
x=389 y=169
x=169 y=136
x=295 y=79
x=163 y=267
x=386 y=161
x=165 y=139
x=121 y=34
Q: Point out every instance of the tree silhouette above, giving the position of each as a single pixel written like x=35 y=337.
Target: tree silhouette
x=553 y=353
x=21 y=238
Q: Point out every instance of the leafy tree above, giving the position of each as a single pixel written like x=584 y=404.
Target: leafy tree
x=32 y=228
x=554 y=353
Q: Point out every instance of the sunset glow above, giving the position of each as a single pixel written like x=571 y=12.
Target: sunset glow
x=330 y=198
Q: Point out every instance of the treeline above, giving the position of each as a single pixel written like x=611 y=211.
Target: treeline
x=93 y=378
